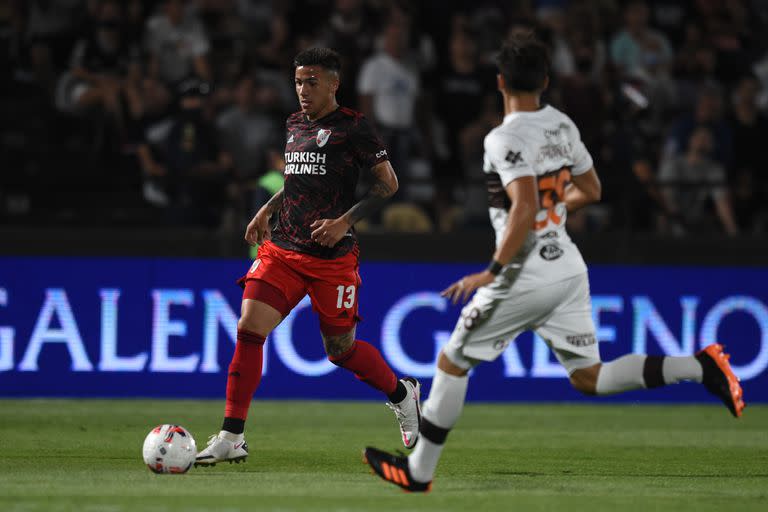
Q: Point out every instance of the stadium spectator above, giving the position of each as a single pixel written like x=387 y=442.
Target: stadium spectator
x=270 y=58
x=638 y=50
x=748 y=178
x=670 y=16
x=177 y=45
x=270 y=53
x=552 y=18
x=708 y=112
x=420 y=53
x=388 y=92
x=458 y=93
x=690 y=180
x=583 y=97
x=51 y=28
x=726 y=28
x=186 y=168
x=255 y=14
x=135 y=20
x=15 y=64
x=631 y=190
x=760 y=69
x=350 y=32
x=99 y=71
x=583 y=32
x=475 y=211
x=248 y=131
x=695 y=69
x=642 y=54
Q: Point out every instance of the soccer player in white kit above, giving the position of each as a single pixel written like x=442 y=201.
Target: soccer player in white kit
x=537 y=171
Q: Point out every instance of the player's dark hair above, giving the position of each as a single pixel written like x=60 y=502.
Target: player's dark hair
x=323 y=57
x=523 y=61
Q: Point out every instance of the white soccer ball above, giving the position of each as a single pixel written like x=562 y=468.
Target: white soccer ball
x=169 y=449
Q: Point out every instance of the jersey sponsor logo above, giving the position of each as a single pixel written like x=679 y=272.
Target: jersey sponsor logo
x=290 y=139
x=554 y=152
x=322 y=137
x=515 y=158
x=305 y=162
x=551 y=252
x=558 y=145
x=557 y=135
x=581 y=340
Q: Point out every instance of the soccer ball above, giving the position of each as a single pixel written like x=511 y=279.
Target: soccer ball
x=169 y=449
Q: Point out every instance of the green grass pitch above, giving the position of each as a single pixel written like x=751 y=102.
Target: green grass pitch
x=85 y=455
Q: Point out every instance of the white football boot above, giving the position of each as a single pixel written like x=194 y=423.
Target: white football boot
x=223 y=447
x=408 y=412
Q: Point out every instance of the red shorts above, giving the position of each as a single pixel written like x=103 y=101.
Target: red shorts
x=332 y=285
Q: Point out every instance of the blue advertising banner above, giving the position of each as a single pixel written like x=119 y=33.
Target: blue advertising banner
x=87 y=327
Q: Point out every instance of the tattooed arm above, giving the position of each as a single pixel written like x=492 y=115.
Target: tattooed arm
x=328 y=232
x=258 y=229
x=384 y=186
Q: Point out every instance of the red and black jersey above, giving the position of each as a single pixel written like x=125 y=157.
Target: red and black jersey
x=323 y=160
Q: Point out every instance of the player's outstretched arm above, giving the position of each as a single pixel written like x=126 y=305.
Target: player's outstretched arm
x=258 y=229
x=522 y=192
x=583 y=190
x=328 y=232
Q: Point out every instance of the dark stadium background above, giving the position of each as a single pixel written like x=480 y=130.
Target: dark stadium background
x=100 y=197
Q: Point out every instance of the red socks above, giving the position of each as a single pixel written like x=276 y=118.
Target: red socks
x=365 y=361
x=244 y=373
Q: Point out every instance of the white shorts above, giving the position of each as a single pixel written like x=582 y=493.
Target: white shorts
x=561 y=313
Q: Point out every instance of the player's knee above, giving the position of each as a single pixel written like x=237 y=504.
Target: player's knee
x=585 y=380
x=250 y=324
x=446 y=363
x=583 y=386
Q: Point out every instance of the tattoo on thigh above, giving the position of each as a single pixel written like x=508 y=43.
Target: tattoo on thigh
x=337 y=345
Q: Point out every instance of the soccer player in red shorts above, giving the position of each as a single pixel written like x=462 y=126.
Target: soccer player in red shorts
x=312 y=249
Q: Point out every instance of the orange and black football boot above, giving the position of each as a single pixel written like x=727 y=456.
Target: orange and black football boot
x=394 y=469
x=719 y=379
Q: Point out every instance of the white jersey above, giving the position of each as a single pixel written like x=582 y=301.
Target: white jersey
x=547 y=145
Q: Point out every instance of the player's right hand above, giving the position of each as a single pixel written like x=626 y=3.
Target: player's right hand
x=258 y=229
x=466 y=286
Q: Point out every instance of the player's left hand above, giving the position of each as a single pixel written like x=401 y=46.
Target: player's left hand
x=328 y=232
x=464 y=287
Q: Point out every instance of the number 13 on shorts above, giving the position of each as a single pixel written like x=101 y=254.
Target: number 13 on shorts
x=346 y=297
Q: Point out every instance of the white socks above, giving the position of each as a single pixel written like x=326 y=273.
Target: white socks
x=622 y=374
x=442 y=409
x=676 y=369
x=229 y=436
x=633 y=372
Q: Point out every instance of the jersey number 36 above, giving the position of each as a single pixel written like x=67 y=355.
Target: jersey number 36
x=552 y=197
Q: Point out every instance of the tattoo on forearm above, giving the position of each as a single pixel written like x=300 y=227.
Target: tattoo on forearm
x=274 y=203
x=375 y=198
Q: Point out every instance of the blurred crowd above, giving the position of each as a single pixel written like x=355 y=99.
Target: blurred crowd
x=172 y=112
